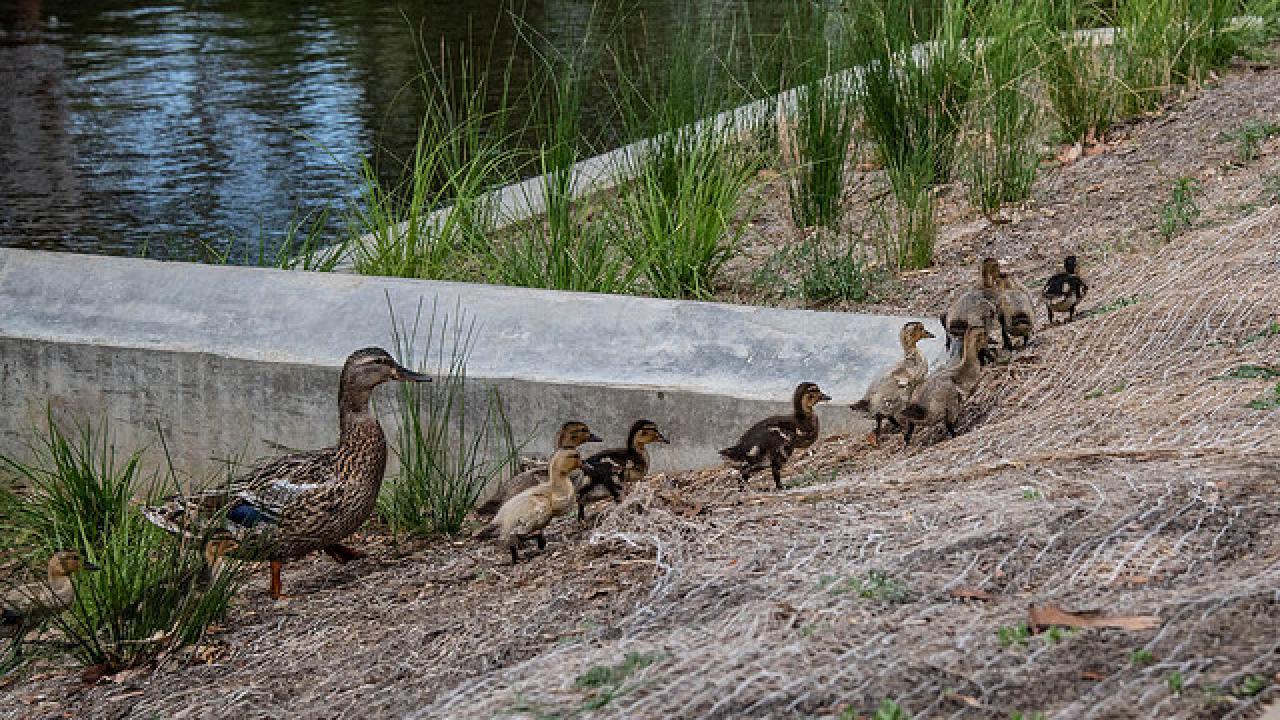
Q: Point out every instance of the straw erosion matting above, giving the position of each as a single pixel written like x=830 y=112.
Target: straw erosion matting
x=1119 y=464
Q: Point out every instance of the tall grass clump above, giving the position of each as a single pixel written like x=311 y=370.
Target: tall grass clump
x=917 y=76
x=677 y=214
x=448 y=448
x=1077 y=72
x=562 y=248
x=817 y=139
x=76 y=487
x=153 y=594
x=427 y=224
x=1003 y=154
x=1165 y=43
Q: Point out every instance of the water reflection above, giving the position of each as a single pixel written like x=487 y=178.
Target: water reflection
x=130 y=125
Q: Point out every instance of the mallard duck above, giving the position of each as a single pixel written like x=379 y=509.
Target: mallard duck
x=770 y=442
x=975 y=307
x=572 y=435
x=1017 y=311
x=607 y=472
x=290 y=506
x=890 y=392
x=528 y=513
x=26 y=605
x=1064 y=291
x=938 y=399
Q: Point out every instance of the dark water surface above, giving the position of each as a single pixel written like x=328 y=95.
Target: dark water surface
x=148 y=126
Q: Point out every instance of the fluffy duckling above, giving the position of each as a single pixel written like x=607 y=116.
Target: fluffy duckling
x=25 y=605
x=1017 y=311
x=607 y=472
x=890 y=392
x=572 y=435
x=1064 y=291
x=939 y=398
x=975 y=307
x=770 y=442
x=529 y=512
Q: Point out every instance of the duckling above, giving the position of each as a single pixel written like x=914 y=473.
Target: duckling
x=605 y=473
x=529 y=512
x=572 y=435
x=26 y=605
x=1017 y=311
x=298 y=503
x=890 y=392
x=975 y=307
x=770 y=442
x=1064 y=291
x=939 y=398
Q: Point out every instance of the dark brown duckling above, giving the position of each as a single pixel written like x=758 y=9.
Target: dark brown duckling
x=572 y=434
x=606 y=473
x=975 y=307
x=771 y=442
x=1064 y=291
x=938 y=400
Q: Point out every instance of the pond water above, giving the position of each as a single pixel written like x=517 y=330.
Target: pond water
x=158 y=128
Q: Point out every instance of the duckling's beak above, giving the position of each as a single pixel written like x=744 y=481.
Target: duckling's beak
x=660 y=438
x=90 y=566
x=823 y=397
x=928 y=334
x=594 y=438
x=404 y=374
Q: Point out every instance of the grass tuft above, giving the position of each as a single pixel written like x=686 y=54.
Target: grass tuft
x=446 y=456
x=1178 y=214
x=153 y=594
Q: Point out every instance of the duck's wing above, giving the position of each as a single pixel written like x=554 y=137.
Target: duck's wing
x=263 y=494
x=260 y=495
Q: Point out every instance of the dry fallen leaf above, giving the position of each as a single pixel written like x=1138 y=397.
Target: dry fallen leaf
x=967 y=593
x=1070 y=153
x=966 y=699
x=1091 y=675
x=1048 y=616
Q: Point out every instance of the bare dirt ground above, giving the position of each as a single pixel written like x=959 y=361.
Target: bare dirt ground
x=1119 y=464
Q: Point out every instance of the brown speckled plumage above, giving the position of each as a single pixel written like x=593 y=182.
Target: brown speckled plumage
x=306 y=501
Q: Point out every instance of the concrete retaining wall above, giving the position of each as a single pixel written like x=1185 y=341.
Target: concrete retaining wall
x=233 y=362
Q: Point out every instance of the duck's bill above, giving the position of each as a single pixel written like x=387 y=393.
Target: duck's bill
x=928 y=334
x=91 y=566
x=594 y=438
x=824 y=397
x=404 y=374
x=661 y=439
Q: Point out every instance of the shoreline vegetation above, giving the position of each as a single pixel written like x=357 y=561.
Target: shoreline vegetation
x=925 y=109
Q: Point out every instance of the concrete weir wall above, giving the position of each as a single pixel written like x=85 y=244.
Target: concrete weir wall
x=237 y=362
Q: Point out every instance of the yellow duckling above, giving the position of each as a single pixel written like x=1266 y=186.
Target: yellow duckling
x=529 y=512
x=26 y=605
x=1017 y=311
x=975 y=307
x=890 y=392
x=940 y=397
